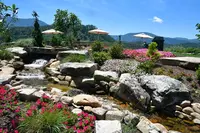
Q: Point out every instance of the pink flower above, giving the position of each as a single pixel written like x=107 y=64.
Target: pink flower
x=29 y=112
x=80 y=123
x=86 y=121
x=17 y=110
x=59 y=106
x=38 y=102
x=33 y=107
x=44 y=96
x=16 y=131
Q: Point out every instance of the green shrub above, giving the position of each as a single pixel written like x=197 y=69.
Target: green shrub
x=24 y=42
x=74 y=58
x=101 y=57
x=198 y=73
x=153 y=52
x=116 y=51
x=97 y=46
x=6 y=55
x=147 y=66
x=55 y=41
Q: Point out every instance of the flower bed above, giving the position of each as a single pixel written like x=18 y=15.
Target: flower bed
x=140 y=54
x=42 y=116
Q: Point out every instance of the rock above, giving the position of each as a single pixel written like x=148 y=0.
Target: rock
x=76 y=111
x=114 y=115
x=89 y=81
x=66 y=100
x=114 y=89
x=195 y=115
x=185 y=103
x=55 y=98
x=64 y=83
x=63 y=54
x=78 y=69
x=39 y=93
x=165 y=92
x=87 y=109
x=99 y=113
x=50 y=62
x=6 y=70
x=76 y=82
x=16 y=83
x=106 y=126
x=161 y=127
x=18 y=65
x=86 y=100
x=131 y=91
x=54 y=79
x=5 y=79
x=105 y=76
x=171 y=131
x=52 y=71
x=183 y=115
x=107 y=107
x=146 y=126
x=17 y=58
x=60 y=77
x=74 y=92
x=17 y=50
x=55 y=64
x=196 y=107
x=131 y=118
x=55 y=91
x=188 y=110
x=8 y=86
x=68 y=78
x=26 y=94
x=196 y=121
x=124 y=76
x=111 y=83
x=178 y=108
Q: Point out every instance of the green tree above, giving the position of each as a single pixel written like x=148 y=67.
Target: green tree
x=75 y=24
x=37 y=35
x=198 y=28
x=61 y=21
x=5 y=12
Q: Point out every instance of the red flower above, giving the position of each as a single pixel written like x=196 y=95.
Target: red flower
x=38 y=102
x=17 y=110
x=29 y=112
x=59 y=106
x=16 y=131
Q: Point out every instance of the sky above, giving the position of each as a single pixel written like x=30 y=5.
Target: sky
x=169 y=18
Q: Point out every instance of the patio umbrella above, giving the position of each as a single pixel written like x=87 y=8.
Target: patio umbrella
x=98 y=31
x=52 y=31
x=142 y=35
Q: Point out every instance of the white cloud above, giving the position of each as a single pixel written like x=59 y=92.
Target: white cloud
x=157 y=20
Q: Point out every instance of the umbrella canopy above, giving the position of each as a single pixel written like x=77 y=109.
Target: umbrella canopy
x=98 y=31
x=142 y=35
x=52 y=31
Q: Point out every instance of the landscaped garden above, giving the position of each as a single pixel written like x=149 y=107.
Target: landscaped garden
x=53 y=84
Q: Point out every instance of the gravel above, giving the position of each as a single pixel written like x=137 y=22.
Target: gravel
x=120 y=66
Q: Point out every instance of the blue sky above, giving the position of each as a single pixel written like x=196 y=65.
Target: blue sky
x=171 y=18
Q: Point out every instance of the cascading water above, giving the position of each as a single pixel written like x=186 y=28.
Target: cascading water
x=33 y=75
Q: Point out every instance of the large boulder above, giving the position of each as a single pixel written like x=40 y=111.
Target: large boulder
x=17 y=50
x=86 y=100
x=5 y=79
x=131 y=91
x=106 y=76
x=78 y=69
x=165 y=92
x=107 y=126
x=5 y=70
x=63 y=54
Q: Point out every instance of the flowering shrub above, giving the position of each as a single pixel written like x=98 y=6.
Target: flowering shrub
x=54 y=118
x=141 y=54
x=9 y=110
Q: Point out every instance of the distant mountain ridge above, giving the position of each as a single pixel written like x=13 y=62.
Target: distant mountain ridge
x=168 y=40
x=25 y=22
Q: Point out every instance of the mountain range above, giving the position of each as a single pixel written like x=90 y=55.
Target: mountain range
x=21 y=22
x=129 y=37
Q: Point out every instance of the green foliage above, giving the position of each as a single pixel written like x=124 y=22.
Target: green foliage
x=198 y=73
x=116 y=51
x=37 y=34
x=101 y=57
x=198 y=28
x=5 y=55
x=55 y=41
x=129 y=128
x=74 y=58
x=147 y=66
x=24 y=42
x=47 y=122
x=153 y=52
x=97 y=46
